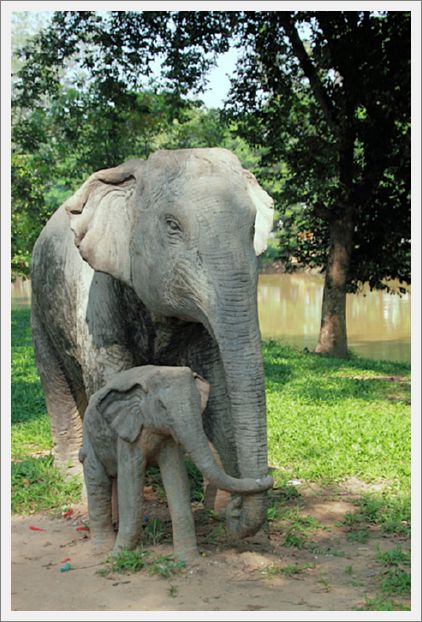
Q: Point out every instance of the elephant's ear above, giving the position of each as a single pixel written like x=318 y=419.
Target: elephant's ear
x=101 y=218
x=122 y=410
x=264 y=212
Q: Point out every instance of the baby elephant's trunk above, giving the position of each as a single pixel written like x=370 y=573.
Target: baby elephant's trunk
x=203 y=458
x=187 y=429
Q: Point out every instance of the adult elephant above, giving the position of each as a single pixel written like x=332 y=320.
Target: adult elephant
x=154 y=262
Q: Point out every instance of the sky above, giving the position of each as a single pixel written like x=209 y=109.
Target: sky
x=218 y=81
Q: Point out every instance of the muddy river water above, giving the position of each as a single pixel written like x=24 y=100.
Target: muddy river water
x=378 y=323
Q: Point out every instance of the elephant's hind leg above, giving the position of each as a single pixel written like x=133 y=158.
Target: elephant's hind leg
x=63 y=405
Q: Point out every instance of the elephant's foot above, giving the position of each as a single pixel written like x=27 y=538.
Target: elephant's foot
x=125 y=543
x=103 y=540
x=188 y=555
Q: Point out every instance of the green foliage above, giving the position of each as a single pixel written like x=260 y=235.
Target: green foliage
x=154 y=531
x=328 y=551
x=129 y=561
x=165 y=566
x=134 y=561
x=391 y=512
x=334 y=106
x=329 y=112
x=381 y=604
x=196 y=481
x=394 y=557
x=358 y=535
x=27 y=208
x=395 y=580
x=37 y=485
x=173 y=591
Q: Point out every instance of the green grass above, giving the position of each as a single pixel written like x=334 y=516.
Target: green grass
x=36 y=484
x=31 y=426
x=154 y=531
x=134 y=561
x=328 y=420
x=291 y=570
x=390 y=510
x=325 y=425
x=381 y=604
x=396 y=578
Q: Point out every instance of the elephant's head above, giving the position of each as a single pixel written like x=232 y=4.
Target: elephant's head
x=183 y=230
x=169 y=400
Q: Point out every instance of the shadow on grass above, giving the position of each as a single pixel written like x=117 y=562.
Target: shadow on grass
x=27 y=401
x=322 y=378
x=21 y=327
x=27 y=395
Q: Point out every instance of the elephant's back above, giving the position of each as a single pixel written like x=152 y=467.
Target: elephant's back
x=58 y=275
x=55 y=259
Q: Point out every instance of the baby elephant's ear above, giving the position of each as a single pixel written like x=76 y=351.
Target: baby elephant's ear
x=122 y=411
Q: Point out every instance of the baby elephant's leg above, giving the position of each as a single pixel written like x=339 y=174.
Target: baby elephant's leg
x=98 y=487
x=176 y=484
x=130 y=491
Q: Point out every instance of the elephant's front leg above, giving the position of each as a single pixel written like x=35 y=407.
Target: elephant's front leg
x=98 y=487
x=176 y=484
x=130 y=490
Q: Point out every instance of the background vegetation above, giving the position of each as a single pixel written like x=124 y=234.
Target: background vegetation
x=319 y=109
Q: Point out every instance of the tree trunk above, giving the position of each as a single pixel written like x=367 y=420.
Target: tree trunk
x=333 y=334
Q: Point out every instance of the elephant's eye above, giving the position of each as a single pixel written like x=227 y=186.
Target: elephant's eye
x=173 y=227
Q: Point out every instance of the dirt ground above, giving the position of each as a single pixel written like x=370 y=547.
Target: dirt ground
x=335 y=573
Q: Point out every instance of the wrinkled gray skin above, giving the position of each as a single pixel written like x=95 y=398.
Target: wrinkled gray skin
x=142 y=416
x=153 y=262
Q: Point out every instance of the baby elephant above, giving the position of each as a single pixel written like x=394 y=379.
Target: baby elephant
x=142 y=416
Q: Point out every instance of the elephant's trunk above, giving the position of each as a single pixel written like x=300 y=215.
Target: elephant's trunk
x=237 y=334
x=196 y=444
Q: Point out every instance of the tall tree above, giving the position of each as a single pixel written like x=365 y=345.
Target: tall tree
x=330 y=95
x=326 y=92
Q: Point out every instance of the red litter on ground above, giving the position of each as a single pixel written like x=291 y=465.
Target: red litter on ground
x=82 y=528
x=36 y=528
x=68 y=513
x=66 y=559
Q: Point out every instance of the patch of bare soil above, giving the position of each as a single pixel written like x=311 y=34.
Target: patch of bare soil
x=330 y=574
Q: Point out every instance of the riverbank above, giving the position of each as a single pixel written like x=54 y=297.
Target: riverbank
x=339 y=450
x=289 y=307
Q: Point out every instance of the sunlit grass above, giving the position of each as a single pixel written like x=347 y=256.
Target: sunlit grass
x=328 y=420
